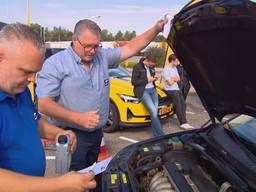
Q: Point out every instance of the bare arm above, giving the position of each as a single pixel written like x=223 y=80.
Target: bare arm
x=70 y=182
x=51 y=108
x=48 y=131
x=140 y=42
x=173 y=80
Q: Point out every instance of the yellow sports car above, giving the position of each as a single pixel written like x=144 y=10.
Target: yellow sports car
x=125 y=109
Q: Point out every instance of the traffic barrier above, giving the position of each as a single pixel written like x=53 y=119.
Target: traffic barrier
x=104 y=154
x=48 y=144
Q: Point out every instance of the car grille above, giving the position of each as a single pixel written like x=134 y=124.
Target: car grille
x=164 y=101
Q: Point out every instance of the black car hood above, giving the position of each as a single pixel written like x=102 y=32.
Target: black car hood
x=216 y=43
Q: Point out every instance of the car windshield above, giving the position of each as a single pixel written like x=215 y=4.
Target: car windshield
x=119 y=72
x=51 y=51
x=244 y=127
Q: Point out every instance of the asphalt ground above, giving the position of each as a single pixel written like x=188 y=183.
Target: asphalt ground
x=116 y=141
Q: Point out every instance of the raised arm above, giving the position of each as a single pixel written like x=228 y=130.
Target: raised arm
x=140 y=42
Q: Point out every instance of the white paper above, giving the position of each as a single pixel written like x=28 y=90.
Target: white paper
x=98 y=168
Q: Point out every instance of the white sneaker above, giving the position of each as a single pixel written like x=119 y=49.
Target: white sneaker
x=186 y=126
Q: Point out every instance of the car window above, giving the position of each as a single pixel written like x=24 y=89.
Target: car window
x=51 y=51
x=244 y=126
x=119 y=72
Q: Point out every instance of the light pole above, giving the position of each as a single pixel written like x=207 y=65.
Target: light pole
x=96 y=17
x=31 y=85
x=28 y=16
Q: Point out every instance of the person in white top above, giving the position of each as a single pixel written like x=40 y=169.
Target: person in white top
x=171 y=77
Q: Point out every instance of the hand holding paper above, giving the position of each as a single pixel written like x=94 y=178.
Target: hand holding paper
x=97 y=168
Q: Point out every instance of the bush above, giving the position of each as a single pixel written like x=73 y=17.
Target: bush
x=128 y=64
x=157 y=53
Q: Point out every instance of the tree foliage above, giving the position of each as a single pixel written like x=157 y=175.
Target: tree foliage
x=106 y=36
x=61 y=34
x=160 y=38
x=157 y=53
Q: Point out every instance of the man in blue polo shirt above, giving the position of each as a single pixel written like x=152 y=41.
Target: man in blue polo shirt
x=21 y=153
x=73 y=85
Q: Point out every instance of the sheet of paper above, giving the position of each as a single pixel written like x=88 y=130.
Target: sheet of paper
x=98 y=168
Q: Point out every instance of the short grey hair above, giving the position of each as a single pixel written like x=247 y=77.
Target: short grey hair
x=86 y=24
x=20 y=32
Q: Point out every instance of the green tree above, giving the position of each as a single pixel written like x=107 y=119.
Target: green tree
x=119 y=36
x=160 y=38
x=58 y=34
x=106 y=36
x=61 y=34
x=157 y=53
x=129 y=35
x=39 y=29
x=36 y=27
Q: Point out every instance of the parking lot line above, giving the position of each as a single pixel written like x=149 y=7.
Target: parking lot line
x=190 y=112
x=128 y=139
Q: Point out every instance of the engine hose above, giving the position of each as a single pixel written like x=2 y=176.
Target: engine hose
x=165 y=187
x=145 y=160
x=148 y=167
x=225 y=187
x=160 y=183
x=157 y=176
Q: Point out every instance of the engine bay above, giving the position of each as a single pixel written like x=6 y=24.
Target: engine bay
x=182 y=162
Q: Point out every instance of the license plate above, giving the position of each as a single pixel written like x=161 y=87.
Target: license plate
x=164 y=110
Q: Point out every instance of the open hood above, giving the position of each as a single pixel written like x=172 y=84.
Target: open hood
x=216 y=43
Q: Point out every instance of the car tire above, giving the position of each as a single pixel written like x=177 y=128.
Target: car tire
x=112 y=124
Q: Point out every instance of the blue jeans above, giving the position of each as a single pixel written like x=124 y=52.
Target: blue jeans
x=87 y=151
x=150 y=101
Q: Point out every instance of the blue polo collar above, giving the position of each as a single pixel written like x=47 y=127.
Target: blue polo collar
x=3 y=96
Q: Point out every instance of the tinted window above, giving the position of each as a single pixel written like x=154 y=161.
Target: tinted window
x=118 y=72
x=247 y=130
x=52 y=51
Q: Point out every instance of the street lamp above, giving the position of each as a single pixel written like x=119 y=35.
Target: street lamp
x=31 y=85
x=96 y=17
x=28 y=17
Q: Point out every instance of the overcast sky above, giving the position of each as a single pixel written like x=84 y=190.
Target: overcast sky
x=112 y=15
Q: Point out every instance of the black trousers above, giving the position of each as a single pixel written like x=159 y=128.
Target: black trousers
x=184 y=88
x=179 y=105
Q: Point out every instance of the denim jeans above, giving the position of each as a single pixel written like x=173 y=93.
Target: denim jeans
x=150 y=101
x=87 y=151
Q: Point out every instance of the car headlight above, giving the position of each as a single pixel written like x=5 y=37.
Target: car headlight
x=129 y=99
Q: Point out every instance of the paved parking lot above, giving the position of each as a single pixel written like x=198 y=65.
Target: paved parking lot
x=196 y=116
